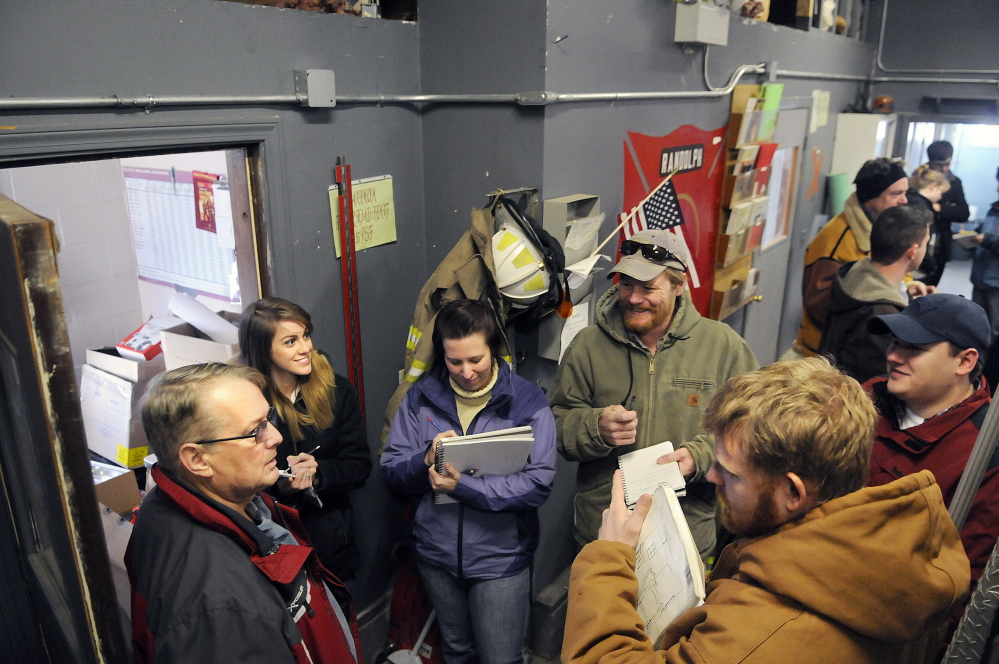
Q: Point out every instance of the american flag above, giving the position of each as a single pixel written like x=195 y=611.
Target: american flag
x=660 y=210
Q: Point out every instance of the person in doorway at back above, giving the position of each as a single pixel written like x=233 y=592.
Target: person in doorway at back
x=475 y=554
x=881 y=184
x=953 y=206
x=874 y=286
x=324 y=443
x=985 y=267
x=926 y=187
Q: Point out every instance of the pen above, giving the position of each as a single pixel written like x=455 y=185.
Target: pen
x=313 y=450
x=436 y=426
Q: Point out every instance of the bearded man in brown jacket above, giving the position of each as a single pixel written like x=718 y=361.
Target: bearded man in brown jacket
x=824 y=570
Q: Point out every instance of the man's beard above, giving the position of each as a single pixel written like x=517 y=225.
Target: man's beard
x=762 y=519
x=656 y=320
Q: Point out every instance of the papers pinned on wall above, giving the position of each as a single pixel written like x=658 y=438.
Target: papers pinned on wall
x=374 y=213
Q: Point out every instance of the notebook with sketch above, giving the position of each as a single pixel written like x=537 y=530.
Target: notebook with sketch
x=492 y=453
x=668 y=567
x=641 y=474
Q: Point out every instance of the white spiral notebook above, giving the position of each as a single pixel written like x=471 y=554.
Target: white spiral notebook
x=499 y=452
x=641 y=473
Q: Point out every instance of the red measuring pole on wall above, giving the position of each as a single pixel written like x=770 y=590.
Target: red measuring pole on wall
x=348 y=278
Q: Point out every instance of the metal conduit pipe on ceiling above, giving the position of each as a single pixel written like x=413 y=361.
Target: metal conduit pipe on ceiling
x=535 y=98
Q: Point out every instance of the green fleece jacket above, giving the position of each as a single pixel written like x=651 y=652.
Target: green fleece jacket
x=605 y=365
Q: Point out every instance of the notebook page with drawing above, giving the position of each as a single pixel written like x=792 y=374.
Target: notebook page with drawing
x=668 y=568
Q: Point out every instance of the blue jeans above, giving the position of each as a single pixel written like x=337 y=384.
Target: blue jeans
x=480 y=620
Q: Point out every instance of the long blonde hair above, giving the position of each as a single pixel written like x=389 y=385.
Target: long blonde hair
x=257 y=328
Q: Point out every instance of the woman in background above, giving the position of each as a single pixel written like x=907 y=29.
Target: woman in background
x=926 y=188
x=474 y=555
x=324 y=445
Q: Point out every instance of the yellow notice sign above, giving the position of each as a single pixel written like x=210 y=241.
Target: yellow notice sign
x=374 y=213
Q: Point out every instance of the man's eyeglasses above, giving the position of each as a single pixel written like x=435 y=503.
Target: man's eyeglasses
x=651 y=252
x=258 y=433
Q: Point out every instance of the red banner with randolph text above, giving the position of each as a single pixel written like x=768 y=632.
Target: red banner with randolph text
x=699 y=159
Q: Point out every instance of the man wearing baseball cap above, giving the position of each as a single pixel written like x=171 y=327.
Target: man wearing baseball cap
x=881 y=184
x=932 y=405
x=642 y=374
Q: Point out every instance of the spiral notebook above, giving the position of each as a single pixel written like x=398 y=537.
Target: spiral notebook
x=499 y=452
x=641 y=473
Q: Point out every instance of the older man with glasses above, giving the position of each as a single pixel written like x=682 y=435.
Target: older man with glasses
x=219 y=571
x=641 y=375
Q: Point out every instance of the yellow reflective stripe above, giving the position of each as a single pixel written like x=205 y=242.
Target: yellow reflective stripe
x=523 y=258
x=414 y=338
x=506 y=241
x=537 y=283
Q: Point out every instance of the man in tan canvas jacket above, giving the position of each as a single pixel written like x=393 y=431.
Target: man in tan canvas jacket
x=824 y=571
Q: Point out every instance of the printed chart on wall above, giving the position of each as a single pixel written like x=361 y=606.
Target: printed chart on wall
x=688 y=204
x=182 y=229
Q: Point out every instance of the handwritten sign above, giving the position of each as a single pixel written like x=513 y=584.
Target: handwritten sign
x=374 y=213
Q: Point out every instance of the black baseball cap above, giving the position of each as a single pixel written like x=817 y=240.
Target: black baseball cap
x=938 y=317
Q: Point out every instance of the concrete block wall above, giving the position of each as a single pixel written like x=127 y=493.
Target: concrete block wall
x=86 y=201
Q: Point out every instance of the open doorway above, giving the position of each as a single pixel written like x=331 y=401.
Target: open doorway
x=975 y=159
x=133 y=231
x=127 y=233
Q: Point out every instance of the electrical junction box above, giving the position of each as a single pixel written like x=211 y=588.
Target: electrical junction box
x=702 y=22
x=316 y=87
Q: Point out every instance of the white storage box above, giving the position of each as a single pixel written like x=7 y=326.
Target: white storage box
x=110 y=417
x=184 y=345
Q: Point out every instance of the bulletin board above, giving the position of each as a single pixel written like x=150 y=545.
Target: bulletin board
x=181 y=239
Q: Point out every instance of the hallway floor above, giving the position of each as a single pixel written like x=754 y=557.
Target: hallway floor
x=956 y=278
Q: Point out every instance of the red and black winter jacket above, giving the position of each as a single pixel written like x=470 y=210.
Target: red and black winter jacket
x=942 y=445
x=209 y=586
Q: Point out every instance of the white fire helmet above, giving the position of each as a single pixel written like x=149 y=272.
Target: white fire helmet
x=521 y=275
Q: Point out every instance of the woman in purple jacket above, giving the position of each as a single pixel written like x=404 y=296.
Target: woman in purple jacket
x=474 y=554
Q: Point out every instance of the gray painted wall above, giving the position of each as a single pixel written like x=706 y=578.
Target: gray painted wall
x=444 y=158
x=175 y=47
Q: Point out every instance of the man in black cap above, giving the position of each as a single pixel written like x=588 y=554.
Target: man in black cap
x=881 y=184
x=641 y=375
x=953 y=206
x=932 y=405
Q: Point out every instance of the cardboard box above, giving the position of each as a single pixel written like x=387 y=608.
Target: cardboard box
x=109 y=360
x=184 y=344
x=116 y=488
x=110 y=417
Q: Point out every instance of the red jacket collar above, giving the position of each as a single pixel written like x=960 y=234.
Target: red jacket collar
x=919 y=438
x=279 y=563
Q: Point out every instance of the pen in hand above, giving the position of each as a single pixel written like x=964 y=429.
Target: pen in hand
x=436 y=426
